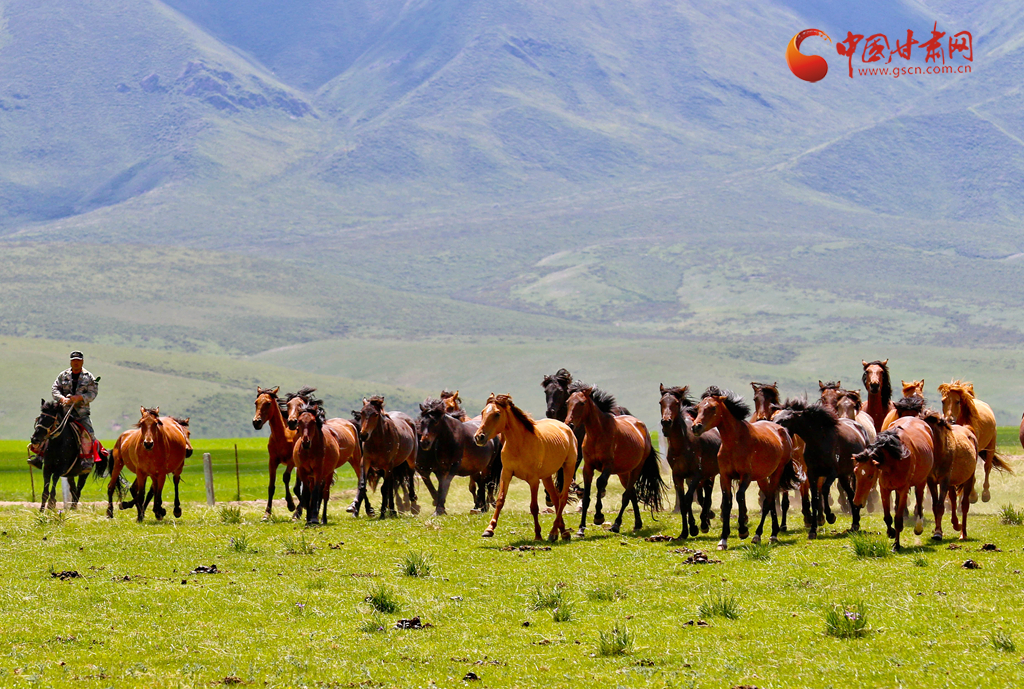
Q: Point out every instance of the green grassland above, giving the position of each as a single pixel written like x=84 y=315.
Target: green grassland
x=289 y=606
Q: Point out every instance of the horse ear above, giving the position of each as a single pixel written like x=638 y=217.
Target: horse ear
x=821 y=386
x=775 y=384
x=42 y=402
x=365 y=402
x=876 y=463
x=423 y=407
x=158 y=411
x=274 y=391
x=661 y=388
x=685 y=389
x=839 y=383
x=259 y=390
x=142 y=410
x=187 y=419
x=885 y=363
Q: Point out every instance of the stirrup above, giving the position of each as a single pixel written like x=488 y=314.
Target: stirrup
x=35 y=461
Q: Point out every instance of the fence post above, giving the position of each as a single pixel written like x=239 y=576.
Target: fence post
x=208 y=477
x=66 y=488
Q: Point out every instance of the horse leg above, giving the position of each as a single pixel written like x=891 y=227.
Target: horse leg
x=506 y=478
x=816 y=508
x=46 y=483
x=384 y=488
x=990 y=452
x=844 y=483
x=637 y=521
x=767 y=506
x=901 y=505
x=158 y=501
x=965 y=505
x=140 y=506
x=785 y=510
x=681 y=493
x=272 y=487
x=887 y=511
x=76 y=490
x=313 y=507
x=686 y=508
x=741 y=498
x=627 y=495
x=588 y=477
x=444 y=484
x=414 y=506
x=938 y=493
x=706 y=513
x=806 y=509
x=726 y=510
x=602 y=482
x=558 y=527
x=392 y=495
x=919 y=510
x=535 y=508
x=826 y=499
x=177 y=499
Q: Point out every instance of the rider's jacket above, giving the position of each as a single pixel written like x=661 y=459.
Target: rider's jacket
x=87 y=388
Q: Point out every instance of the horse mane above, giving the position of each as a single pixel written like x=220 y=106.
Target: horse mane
x=852 y=395
x=886 y=382
x=302 y=393
x=377 y=401
x=432 y=407
x=447 y=394
x=524 y=418
x=936 y=419
x=816 y=412
x=733 y=402
x=605 y=401
x=151 y=411
x=681 y=393
x=831 y=385
x=180 y=421
x=889 y=440
x=315 y=407
x=561 y=377
x=909 y=405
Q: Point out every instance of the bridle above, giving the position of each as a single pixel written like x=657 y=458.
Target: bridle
x=55 y=429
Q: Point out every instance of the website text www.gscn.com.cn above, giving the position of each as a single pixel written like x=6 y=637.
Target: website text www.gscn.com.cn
x=896 y=72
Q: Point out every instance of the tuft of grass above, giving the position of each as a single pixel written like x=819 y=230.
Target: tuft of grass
x=416 y=564
x=919 y=561
x=1001 y=641
x=606 y=593
x=564 y=612
x=617 y=642
x=719 y=605
x=758 y=552
x=277 y=518
x=547 y=597
x=1010 y=515
x=375 y=624
x=383 y=599
x=847 y=621
x=51 y=518
x=297 y=546
x=240 y=544
x=230 y=514
x=867 y=545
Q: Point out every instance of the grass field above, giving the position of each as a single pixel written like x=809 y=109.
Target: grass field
x=289 y=606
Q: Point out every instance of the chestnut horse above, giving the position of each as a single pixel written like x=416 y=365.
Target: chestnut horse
x=389 y=440
x=270 y=409
x=879 y=387
x=900 y=459
x=154 y=448
x=960 y=406
x=914 y=388
x=447 y=449
x=617 y=445
x=766 y=405
x=317 y=452
x=453 y=404
x=956 y=459
x=848 y=406
x=533 y=451
x=761 y=451
x=693 y=460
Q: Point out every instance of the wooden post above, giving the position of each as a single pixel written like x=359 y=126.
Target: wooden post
x=66 y=489
x=238 y=481
x=208 y=477
x=32 y=480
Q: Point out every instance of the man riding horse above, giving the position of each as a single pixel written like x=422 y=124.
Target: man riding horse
x=76 y=388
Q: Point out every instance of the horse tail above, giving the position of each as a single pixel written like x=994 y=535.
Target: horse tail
x=650 y=488
x=104 y=467
x=999 y=463
x=792 y=476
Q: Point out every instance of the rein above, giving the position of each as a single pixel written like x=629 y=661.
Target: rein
x=56 y=429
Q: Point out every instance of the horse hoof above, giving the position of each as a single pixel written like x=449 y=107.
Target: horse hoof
x=831 y=519
x=784 y=529
x=693 y=531
x=598 y=519
x=473 y=511
x=895 y=547
x=723 y=545
x=986 y=495
x=581 y=534
x=351 y=508
x=918 y=529
x=743 y=534
x=890 y=532
x=415 y=509
x=755 y=540
x=711 y=515
x=566 y=536
x=615 y=528
x=704 y=528
x=773 y=540
x=937 y=536
x=110 y=513
x=552 y=537
x=177 y=513
x=488 y=533
x=812 y=535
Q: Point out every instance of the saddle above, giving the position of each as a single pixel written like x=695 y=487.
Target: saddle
x=87 y=448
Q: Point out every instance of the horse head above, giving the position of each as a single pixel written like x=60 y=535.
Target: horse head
x=578 y=406
x=46 y=421
x=492 y=418
x=309 y=423
x=556 y=393
x=876 y=376
x=765 y=395
x=830 y=392
x=848 y=404
x=914 y=388
x=264 y=399
x=373 y=410
x=673 y=401
x=149 y=426
x=887 y=448
x=294 y=401
x=953 y=394
x=432 y=413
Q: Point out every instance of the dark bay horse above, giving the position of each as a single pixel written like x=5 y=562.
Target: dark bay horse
x=692 y=459
x=900 y=459
x=54 y=427
x=389 y=440
x=879 y=388
x=766 y=404
x=830 y=444
x=270 y=409
x=154 y=448
x=447 y=449
x=533 y=451
x=761 y=451
x=614 y=444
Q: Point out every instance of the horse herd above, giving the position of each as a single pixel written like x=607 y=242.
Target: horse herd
x=781 y=445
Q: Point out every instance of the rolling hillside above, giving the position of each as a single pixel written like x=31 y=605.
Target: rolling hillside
x=225 y=179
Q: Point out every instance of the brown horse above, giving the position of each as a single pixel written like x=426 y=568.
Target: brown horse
x=900 y=459
x=316 y=454
x=879 y=387
x=453 y=404
x=693 y=460
x=766 y=404
x=617 y=445
x=956 y=458
x=270 y=409
x=913 y=389
x=389 y=440
x=154 y=448
x=761 y=451
x=533 y=451
x=960 y=406
x=848 y=406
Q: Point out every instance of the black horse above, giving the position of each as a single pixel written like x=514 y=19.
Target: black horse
x=54 y=427
x=447 y=449
x=831 y=444
x=693 y=459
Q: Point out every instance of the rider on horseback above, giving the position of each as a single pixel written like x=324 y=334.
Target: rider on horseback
x=76 y=388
